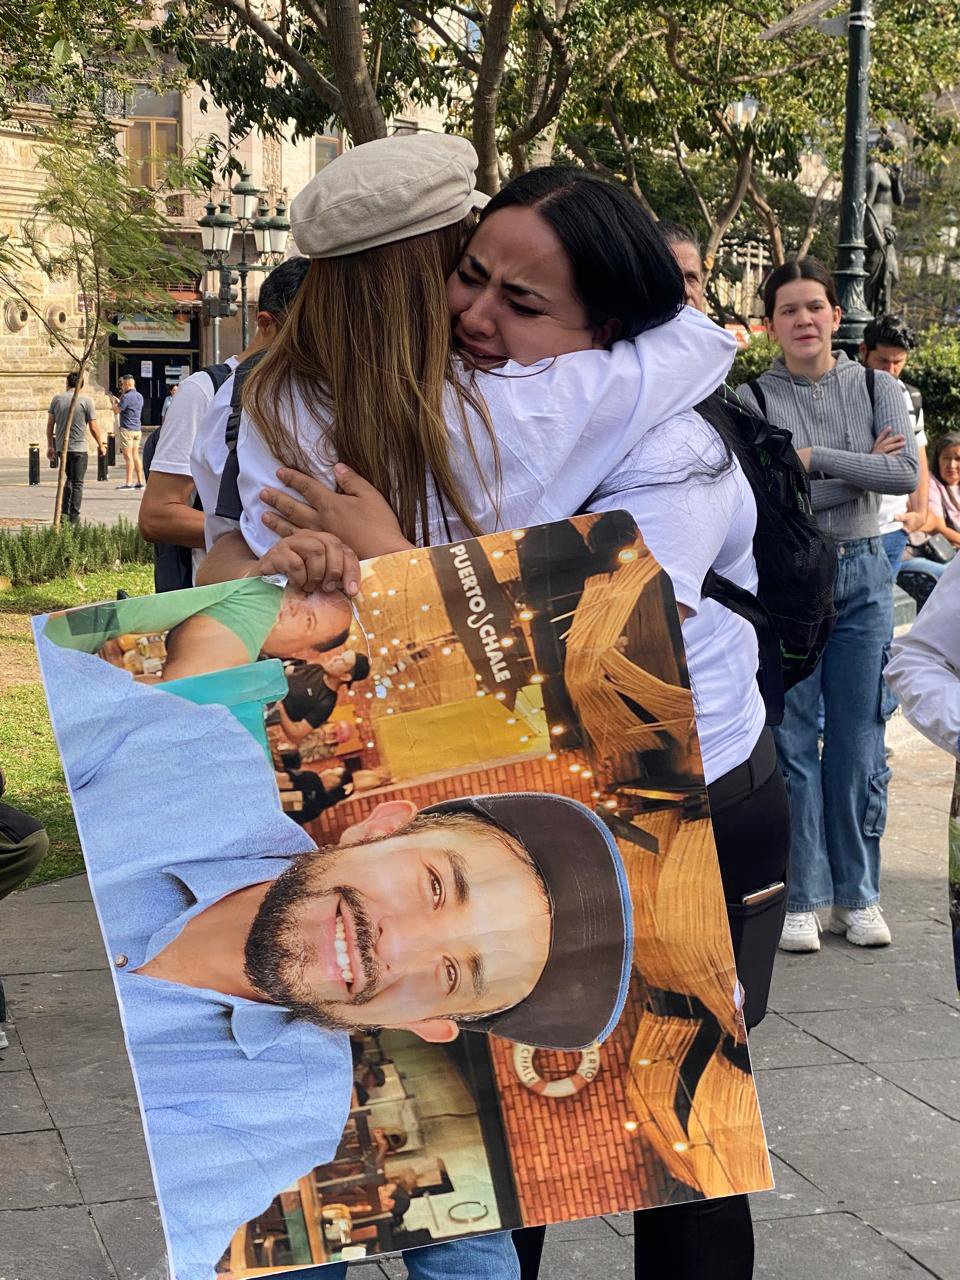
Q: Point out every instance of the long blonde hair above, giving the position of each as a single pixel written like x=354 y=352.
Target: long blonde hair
x=367 y=345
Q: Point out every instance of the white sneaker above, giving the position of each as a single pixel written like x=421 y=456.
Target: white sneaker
x=801 y=932
x=863 y=926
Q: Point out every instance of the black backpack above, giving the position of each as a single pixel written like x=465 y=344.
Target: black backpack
x=173 y=565
x=228 y=495
x=793 y=611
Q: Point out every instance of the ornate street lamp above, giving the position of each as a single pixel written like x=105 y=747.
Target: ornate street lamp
x=223 y=225
x=206 y=232
x=851 y=247
x=279 y=230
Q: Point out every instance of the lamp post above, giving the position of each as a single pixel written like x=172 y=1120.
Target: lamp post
x=216 y=233
x=247 y=197
x=851 y=249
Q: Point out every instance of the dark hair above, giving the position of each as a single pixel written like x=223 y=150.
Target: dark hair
x=950 y=440
x=889 y=331
x=335 y=643
x=361 y=668
x=797 y=269
x=622 y=267
x=73 y=379
x=678 y=233
x=280 y=286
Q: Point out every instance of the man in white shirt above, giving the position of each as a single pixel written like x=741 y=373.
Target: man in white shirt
x=887 y=343
x=167 y=512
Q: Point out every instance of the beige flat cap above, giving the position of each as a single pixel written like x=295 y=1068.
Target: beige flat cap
x=386 y=190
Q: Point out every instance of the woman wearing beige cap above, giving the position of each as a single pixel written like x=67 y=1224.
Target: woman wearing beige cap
x=543 y=415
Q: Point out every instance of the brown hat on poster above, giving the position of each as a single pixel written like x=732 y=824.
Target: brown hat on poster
x=579 y=996
x=386 y=190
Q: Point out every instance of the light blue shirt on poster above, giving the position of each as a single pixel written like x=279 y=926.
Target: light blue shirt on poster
x=176 y=807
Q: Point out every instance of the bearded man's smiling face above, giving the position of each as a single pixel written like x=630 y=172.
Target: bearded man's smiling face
x=445 y=918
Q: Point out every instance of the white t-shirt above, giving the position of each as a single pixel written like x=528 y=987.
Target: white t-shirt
x=705 y=521
x=564 y=428
x=207 y=462
x=894 y=504
x=924 y=669
x=180 y=426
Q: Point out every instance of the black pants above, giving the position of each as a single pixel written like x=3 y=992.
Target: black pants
x=713 y=1239
x=23 y=844
x=73 y=477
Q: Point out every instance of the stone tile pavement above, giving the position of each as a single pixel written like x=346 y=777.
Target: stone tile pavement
x=858 y=1067
x=23 y=503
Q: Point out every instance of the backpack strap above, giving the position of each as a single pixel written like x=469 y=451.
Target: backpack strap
x=218 y=374
x=747 y=606
x=758 y=395
x=228 y=496
x=871 y=381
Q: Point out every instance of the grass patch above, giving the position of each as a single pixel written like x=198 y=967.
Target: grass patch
x=87 y=588
x=28 y=751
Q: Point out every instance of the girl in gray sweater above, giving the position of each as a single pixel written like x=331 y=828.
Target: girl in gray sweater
x=854 y=452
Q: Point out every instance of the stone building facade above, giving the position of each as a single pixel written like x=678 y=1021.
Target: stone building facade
x=32 y=366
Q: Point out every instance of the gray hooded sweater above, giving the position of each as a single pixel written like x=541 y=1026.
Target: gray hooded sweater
x=834 y=418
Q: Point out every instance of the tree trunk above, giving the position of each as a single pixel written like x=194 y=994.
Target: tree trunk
x=487 y=94
x=362 y=113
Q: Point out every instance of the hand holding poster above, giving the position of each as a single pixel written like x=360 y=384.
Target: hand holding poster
x=481 y=976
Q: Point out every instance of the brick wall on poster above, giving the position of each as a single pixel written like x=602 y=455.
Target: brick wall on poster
x=572 y=1157
x=537 y=774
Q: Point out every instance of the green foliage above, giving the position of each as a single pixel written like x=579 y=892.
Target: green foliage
x=32 y=555
x=76 y=59
x=935 y=369
x=28 y=751
x=752 y=360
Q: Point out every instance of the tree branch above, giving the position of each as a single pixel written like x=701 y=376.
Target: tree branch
x=325 y=89
x=579 y=148
x=361 y=110
x=687 y=175
x=628 y=161
x=487 y=93
x=771 y=218
x=811 y=228
x=672 y=43
x=316 y=13
x=550 y=103
x=462 y=56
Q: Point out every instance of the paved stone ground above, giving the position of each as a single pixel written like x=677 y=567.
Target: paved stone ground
x=858 y=1067
x=21 y=502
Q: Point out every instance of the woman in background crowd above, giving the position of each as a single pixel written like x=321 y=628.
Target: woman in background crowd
x=838 y=800
x=943 y=500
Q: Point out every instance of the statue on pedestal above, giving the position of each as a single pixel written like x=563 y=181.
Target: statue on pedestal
x=884 y=190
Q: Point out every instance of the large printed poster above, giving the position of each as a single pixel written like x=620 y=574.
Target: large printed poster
x=412 y=905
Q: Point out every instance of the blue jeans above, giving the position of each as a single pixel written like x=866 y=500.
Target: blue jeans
x=918 y=564
x=838 y=801
x=894 y=544
x=490 y=1257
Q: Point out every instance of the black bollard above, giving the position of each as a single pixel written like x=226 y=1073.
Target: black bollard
x=111 y=449
x=33 y=464
x=103 y=472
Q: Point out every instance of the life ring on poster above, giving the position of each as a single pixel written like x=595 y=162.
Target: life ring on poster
x=567 y=1086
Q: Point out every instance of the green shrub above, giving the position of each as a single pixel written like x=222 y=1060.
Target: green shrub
x=753 y=360
x=935 y=368
x=32 y=555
